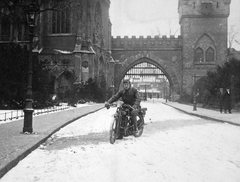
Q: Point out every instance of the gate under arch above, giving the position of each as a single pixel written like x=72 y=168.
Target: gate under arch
x=149 y=79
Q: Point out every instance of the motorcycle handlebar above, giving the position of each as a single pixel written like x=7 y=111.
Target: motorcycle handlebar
x=123 y=105
x=128 y=106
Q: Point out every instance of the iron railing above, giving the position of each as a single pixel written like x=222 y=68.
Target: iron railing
x=16 y=114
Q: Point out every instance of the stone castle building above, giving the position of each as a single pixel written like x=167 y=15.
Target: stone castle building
x=201 y=46
x=75 y=44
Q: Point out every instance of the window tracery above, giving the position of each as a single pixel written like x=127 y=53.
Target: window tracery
x=5 y=28
x=204 y=51
x=198 y=55
x=61 y=21
x=210 y=55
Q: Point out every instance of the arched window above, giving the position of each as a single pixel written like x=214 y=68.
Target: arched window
x=210 y=55
x=61 y=21
x=5 y=28
x=95 y=66
x=198 y=55
x=101 y=63
x=204 y=50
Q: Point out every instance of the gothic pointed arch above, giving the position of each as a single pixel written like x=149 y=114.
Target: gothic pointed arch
x=147 y=75
x=61 y=19
x=69 y=73
x=6 y=28
x=205 y=49
x=63 y=83
x=198 y=56
x=125 y=63
x=205 y=39
x=210 y=55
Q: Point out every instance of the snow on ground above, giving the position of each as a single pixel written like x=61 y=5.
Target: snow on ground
x=174 y=147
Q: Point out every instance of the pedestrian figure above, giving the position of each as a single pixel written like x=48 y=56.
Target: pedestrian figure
x=227 y=101
x=221 y=99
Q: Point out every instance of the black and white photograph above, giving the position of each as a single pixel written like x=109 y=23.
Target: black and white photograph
x=119 y=90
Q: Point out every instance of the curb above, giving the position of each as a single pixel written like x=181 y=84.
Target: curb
x=16 y=160
x=205 y=117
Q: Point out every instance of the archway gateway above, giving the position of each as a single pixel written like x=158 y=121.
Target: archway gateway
x=197 y=50
x=150 y=80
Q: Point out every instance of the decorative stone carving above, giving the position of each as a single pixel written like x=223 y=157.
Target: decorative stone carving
x=174 y=59
x=55 y=71
x=78 y=45
x=97 y=32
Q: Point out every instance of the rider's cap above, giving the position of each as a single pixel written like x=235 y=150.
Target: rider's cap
x=126 y=81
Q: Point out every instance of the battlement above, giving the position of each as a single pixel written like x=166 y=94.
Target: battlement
x=203 y=8
x=146 y=42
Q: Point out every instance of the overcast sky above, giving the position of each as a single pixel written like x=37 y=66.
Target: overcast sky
x=156 y=17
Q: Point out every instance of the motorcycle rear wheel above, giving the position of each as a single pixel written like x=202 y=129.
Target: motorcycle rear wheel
x=140 y=124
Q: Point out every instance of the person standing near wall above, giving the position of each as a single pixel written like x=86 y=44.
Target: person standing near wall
x=227 y=101
x=221 y=99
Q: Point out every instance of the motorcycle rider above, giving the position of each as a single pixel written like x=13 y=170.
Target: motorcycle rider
x=129 y=95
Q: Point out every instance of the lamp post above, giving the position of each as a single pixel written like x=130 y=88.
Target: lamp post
x=232 y=79
x=145 y=95
x=152 y=91
x=194 y=93
x=112 y=86
x=165 y=91
x=31 y=17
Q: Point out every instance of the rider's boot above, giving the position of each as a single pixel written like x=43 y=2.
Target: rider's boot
x=135 y=126
x=136 y=129
x=134 y=119
x=120 y=137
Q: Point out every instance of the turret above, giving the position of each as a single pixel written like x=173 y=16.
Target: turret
x=203 y=9
x=204 y=30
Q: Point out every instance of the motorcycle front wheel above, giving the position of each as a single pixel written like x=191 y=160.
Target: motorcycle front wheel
x=140 y=124
x=113 y=131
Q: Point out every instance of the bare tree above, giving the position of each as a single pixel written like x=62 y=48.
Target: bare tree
x=233 y=36
x=172 y=31
x=159 y=32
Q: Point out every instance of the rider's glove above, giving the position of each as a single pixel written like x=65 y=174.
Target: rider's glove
x=107 y=105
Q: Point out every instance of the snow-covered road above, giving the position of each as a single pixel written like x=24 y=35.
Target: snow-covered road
x=174 y=147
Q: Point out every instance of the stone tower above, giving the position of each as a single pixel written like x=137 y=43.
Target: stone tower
x=204 y=29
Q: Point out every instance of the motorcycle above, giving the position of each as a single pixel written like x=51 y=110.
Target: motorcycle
x=122 y=124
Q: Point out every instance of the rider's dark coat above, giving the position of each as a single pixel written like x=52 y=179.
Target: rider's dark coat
x=130 y=96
